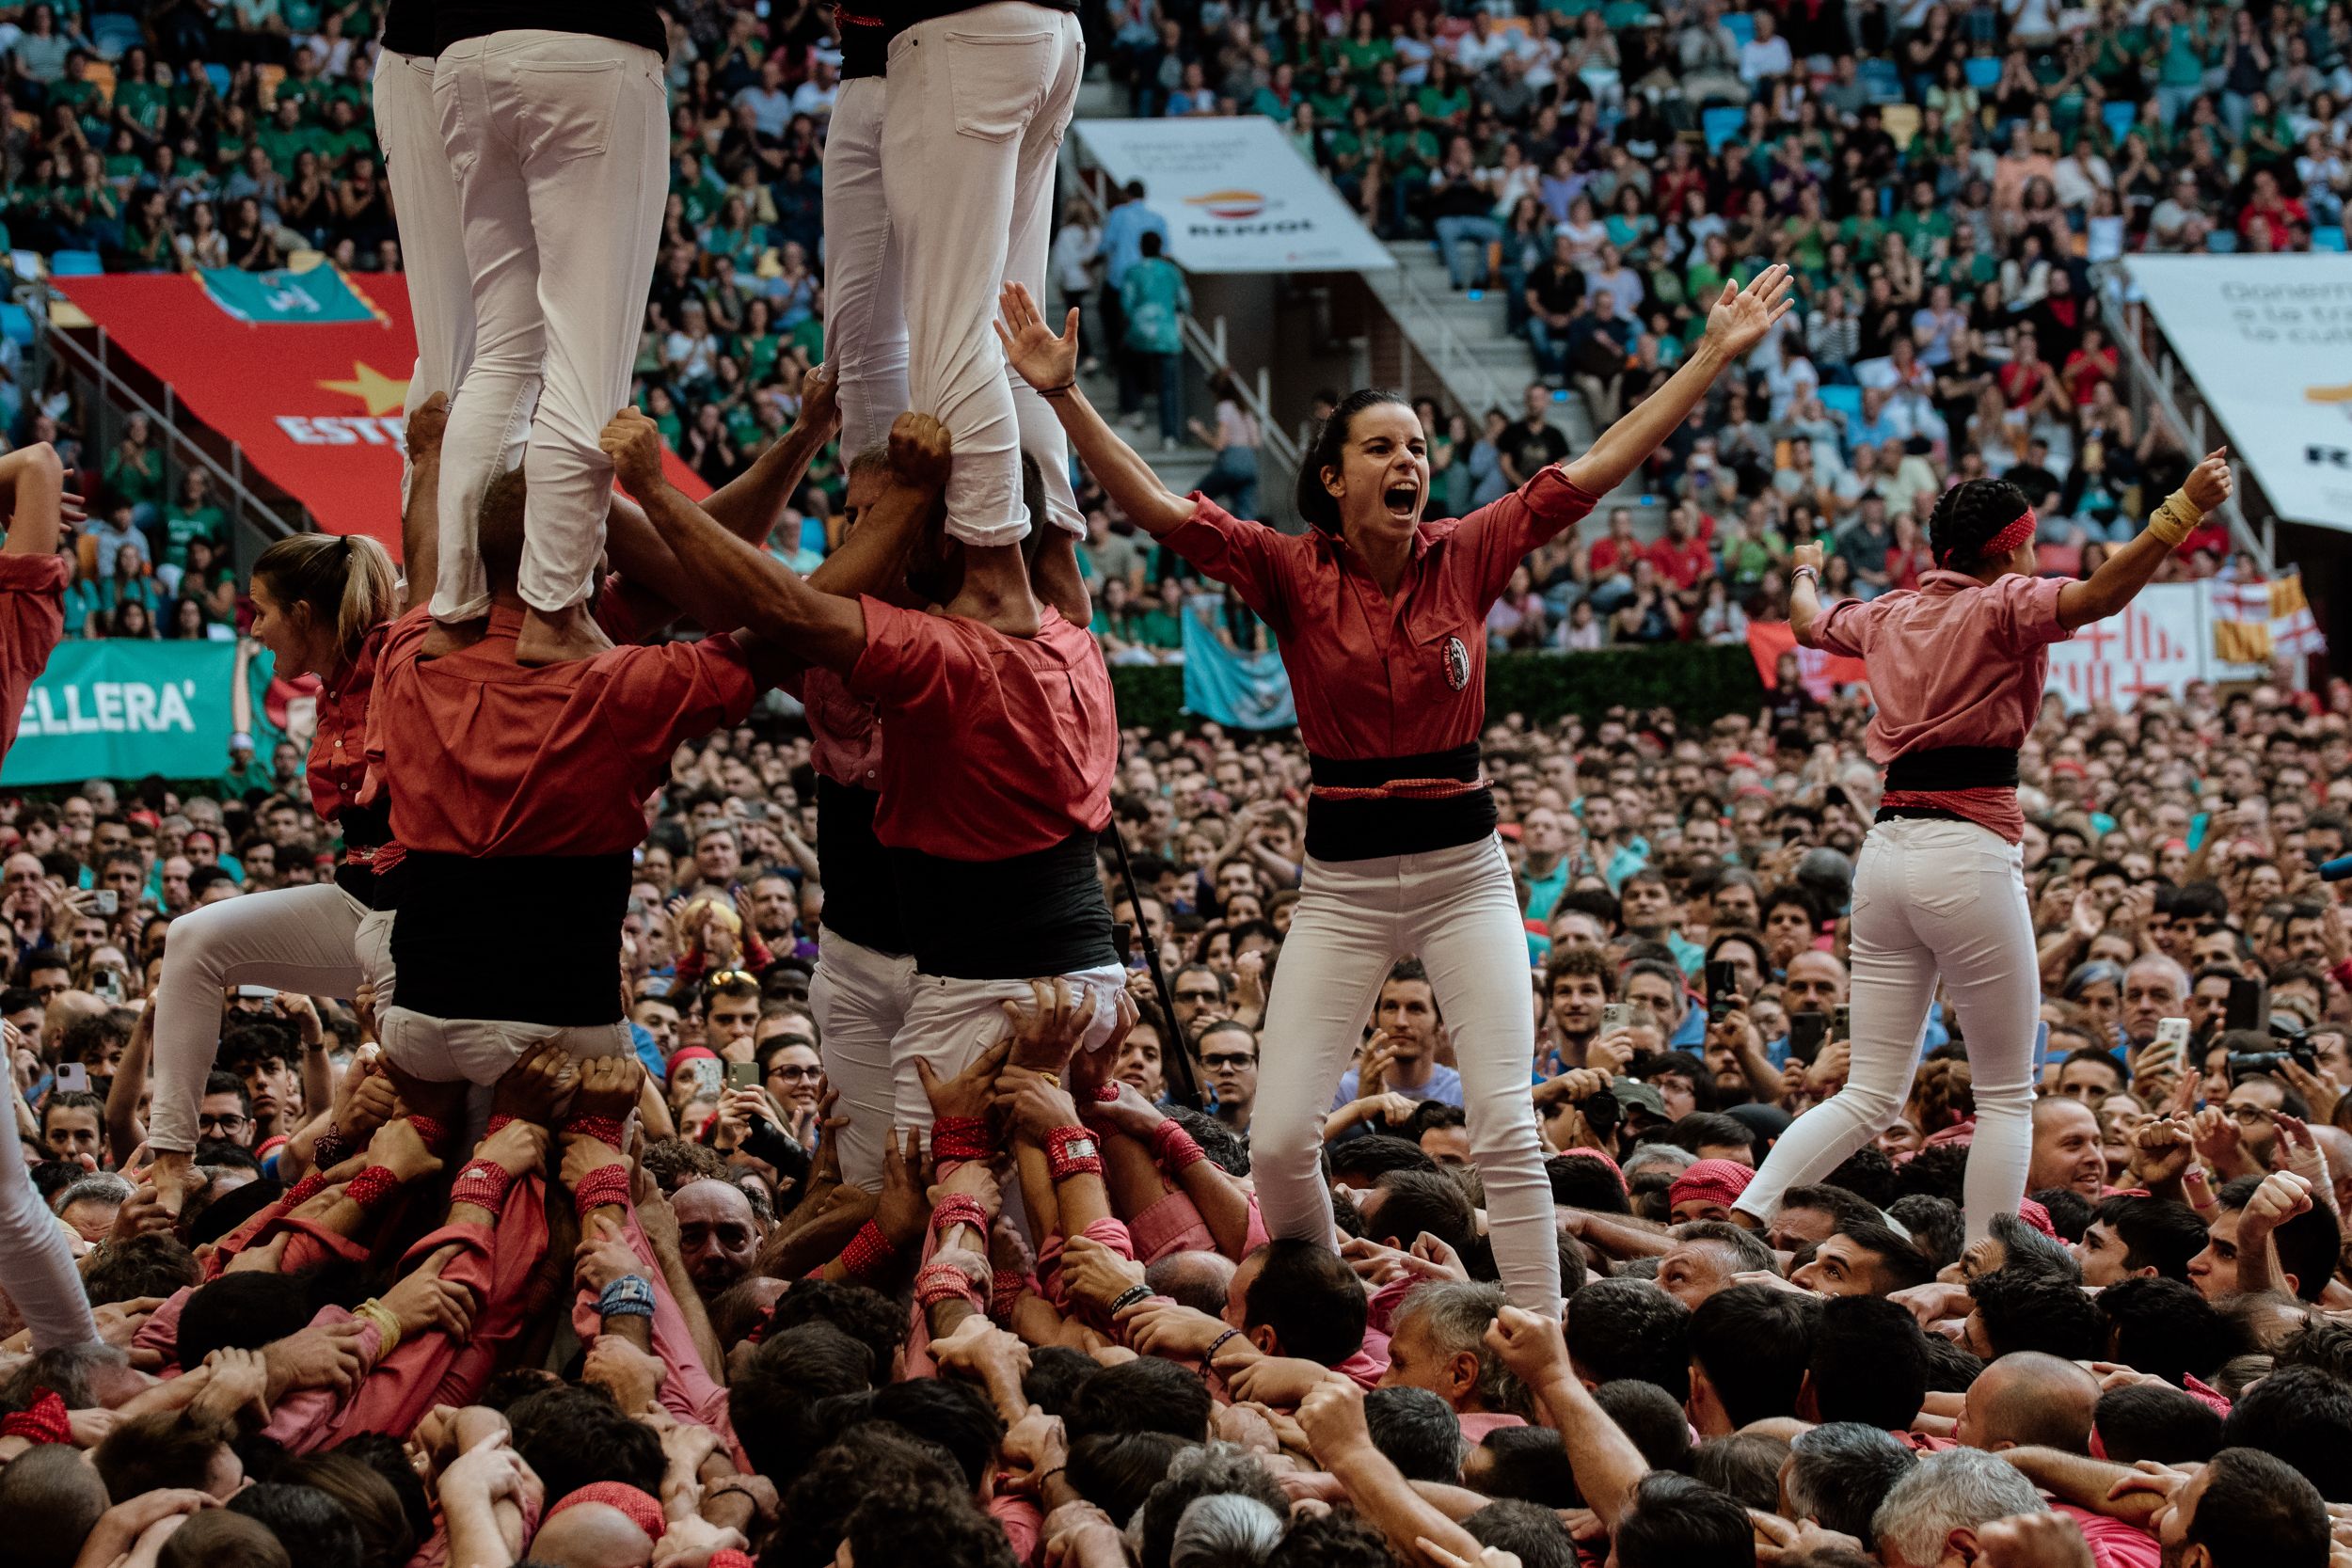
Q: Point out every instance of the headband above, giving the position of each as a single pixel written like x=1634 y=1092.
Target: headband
x=2006 y=540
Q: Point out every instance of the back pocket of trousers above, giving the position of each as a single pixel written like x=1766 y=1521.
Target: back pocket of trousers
x=996 y=81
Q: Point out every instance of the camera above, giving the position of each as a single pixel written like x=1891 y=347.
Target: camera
x=2272 y=1061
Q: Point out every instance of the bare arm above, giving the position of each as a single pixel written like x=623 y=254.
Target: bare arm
x=2085 y=1482
x=1736 y=324
x=123 y=1132
x=1050 y=364
x=419 y=517
x=1804 y=598
x=2121 y=577
x=33 y=482
x=1607 y=1466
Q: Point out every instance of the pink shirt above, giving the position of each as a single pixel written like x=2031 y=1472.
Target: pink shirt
x=1957 y=662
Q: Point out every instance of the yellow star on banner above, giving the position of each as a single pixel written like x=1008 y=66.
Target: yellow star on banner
x=380 y=392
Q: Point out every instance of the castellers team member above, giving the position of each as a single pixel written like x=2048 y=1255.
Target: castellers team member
x=1381 y=619
x=1957 y=667
x=321 y=603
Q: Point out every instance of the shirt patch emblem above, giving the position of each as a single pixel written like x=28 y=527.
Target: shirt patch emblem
x=1456 y=663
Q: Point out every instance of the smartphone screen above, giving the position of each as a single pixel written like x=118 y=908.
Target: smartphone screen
x=2245 y=1008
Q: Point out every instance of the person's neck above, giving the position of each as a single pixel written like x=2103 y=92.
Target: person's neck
x=1234 y=1113
x=1542 y=862
x=995 y=592
x=1400 y=1076
x=1384 y=551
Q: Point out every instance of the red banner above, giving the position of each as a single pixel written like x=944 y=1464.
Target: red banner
x=1818 y=672
x=315 y=405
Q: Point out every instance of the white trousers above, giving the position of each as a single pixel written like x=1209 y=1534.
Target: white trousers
x=479 y=1051
x=1456 y=909
x=316 y=941
x=1930 y=897
x=866 y=319
x=978 y=101
x=560 y=146
x=860 y=997
x=432 y=240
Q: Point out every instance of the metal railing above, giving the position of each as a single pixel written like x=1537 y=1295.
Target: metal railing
x=109 y=401
x=2163 y=388
x=1452 y=351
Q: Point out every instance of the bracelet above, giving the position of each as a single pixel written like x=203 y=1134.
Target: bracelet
x=1801 y=574
x=1071 y=1151
x=429 y=1130
x=936 y=1282
x=386 y=1327
x=1061 y=391
x=869 y=1253
x=629 y=1296
x=1174 y=1147
x=1106 y=1092
x=1216 y=1345
x=961 y=1139
x=330 y=1148
x=2176 y=519
x=959 y=1208
x=47 y=1422
x=1128 y=1297
x=373 y=1186
x=483 y=1185
x=606 y=1184
x=1005 y=1292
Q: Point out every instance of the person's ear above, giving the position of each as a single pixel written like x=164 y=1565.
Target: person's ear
x=1462 y=1372
x=1333 y=485
x=1262 y=1336
x=1960 y=1544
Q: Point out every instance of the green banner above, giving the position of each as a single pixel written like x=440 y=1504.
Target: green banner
x=114 y=708
x=319 y=295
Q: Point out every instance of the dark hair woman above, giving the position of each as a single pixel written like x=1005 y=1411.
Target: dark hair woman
x=321 y=603
x=1957 y=667
x=1380 y=615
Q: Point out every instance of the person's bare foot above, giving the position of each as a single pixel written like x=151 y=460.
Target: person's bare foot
x=551 y=639
x=447 y=636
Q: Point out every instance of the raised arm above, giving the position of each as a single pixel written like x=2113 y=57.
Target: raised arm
x=1607 y=1466
x=756 y=590
x=2121 y=577
x=1049 y=363
x=1736 y=324
x=32 y=483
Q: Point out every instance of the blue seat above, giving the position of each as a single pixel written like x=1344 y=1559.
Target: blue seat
x=1742 y=26
x=113 y=32
x=2222 y=242
x=1983 y=71
x=75 y=263
x=2329 y=238
x=16 y=323
x=218 y=76
x=2120 y=118
x=1882 y=81
x=1842 y=399
x=1721 y=123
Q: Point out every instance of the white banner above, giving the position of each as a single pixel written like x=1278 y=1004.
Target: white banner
x=2268 y=340
x=1236 y=194
x=2162 y=641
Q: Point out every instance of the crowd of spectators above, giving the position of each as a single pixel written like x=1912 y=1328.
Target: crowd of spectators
x=333 y=1358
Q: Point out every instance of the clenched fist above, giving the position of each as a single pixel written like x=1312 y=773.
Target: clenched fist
x=921 y=451
x=634 y=444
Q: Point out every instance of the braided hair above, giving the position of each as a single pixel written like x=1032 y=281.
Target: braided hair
x=1967 y=517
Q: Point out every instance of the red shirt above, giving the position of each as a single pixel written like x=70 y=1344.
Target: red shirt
x=485 y=757
x=1682 y=564
x=1375 y=676
x=845 y=737
x=339 y=751
x=999 y=746
x=1956 y=663
x=32 y=619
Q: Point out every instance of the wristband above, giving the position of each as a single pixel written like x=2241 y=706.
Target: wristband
x=727 y=1556
x=330 y=1148
x=1071 y=1151
x=629 y=1296
x=483 y=1183
x=1005 y=1291
x=606 y=1184
x=1106 y=1092
x=373 y=1186
x=2176 y=519
x=387 y=1325
x=1173 y=1148
x=429 y=1130
x=1128 y=1297
x=45 y=1422
x=605 y=1130
x=959 y=1208
x=305 y=1190
x=869 y=1253
x=937 y=1282
x=1216 y=1345
x=955 y=1138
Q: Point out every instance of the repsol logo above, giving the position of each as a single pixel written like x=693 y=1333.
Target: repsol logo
x=2329 y=457
x=1276 y=226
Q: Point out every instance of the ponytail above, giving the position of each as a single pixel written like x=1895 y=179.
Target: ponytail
x=1316 y=505
x=347 y=580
